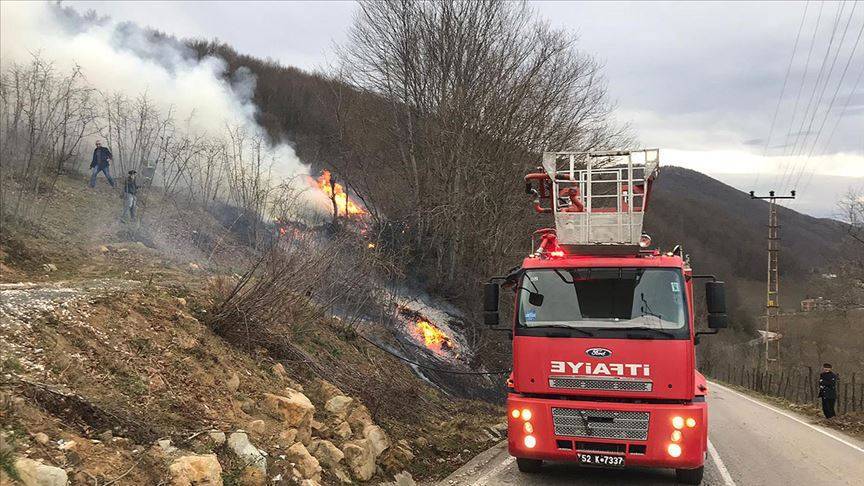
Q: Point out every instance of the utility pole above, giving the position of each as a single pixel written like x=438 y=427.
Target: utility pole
x=772 y=300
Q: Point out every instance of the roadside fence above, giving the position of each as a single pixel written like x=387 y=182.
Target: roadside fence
x=798 y=385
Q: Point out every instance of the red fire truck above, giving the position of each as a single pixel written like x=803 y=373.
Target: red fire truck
x=604 y=331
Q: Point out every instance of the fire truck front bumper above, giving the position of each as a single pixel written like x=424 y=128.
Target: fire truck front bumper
x=608 y=434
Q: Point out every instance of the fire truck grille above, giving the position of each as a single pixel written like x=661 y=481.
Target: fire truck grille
x=605 y=424
x=590 y=383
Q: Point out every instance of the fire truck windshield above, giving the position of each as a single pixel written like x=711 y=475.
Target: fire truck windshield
x=605 y=302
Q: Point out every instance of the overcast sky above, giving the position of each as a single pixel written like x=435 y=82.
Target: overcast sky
x=700 y=80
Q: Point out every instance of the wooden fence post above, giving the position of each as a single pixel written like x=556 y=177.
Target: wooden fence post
x=845 y=397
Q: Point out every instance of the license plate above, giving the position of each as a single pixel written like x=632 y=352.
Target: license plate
x=601 y=460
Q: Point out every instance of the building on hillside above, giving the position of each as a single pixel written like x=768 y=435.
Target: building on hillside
x=817 y=304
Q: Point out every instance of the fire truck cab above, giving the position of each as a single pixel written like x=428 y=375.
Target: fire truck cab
x=603 y=327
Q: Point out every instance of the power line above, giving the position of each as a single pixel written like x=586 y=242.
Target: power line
x=806 y=133
x=801 y=131
x=827 y=145
x=821 y=95
x=783 y=90
x=800 y=89
x=836 y=90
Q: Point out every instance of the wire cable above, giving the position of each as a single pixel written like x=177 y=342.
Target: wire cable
x=827 y=145
x=796 y=161
x=800 y=89
x=801 y=131
x=783 y=90
x=812 y=150
x=430 y=368
x=818 y=134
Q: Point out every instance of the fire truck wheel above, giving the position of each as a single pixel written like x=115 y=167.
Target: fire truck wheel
x=529 y=465
x=689 y=476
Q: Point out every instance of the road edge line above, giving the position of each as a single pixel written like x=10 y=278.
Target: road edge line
x=724 y=473
x=495 y=470
x=789 y=416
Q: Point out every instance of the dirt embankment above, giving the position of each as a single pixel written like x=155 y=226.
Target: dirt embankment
x=110 y=374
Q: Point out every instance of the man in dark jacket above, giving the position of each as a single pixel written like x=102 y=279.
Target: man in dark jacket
x=130 y=196
x=101 y=162
x=828 y=390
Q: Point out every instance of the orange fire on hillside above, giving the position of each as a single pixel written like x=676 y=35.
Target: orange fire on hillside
x=432 y=337
x=336 y=192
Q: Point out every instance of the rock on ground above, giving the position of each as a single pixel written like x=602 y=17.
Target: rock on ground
x=308 y=465
x=328 y=390
x=203 y=470
x=217 y=437
x=239 y=443
x=359 y=418
x=339 y=405
x=233 y=383
x=294 y=408
x=328 y=454
x=360 y=457
x=34 y=473
x=341 y=431
x=378 y=438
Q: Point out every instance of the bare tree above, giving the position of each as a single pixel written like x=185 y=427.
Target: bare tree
x=44 y=116
x=456 y=100
x=852 y=211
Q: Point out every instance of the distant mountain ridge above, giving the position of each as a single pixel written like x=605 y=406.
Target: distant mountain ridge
x=725 y=232
x=705 y=214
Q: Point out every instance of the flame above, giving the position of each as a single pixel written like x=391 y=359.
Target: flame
x=344 y=204
x=433 y=338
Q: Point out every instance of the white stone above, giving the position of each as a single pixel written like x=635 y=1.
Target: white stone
x=239 y=443
x=35 y=473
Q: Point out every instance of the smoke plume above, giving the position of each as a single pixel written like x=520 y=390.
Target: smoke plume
x=121 y=57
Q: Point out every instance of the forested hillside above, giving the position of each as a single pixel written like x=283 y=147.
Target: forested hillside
x=721 y=227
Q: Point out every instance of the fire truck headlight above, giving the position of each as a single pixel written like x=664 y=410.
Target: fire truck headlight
x=678 y=422
x=515 y=413
x=674 y=450
x=676 y=436
x=526 y=414
x=691 y=422
x=529 y=428
x=530 y=441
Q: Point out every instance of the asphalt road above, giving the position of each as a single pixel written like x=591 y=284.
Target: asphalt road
x=751 y=443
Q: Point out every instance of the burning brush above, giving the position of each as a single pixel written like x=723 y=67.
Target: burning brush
x=336 y=193
x=426 y=333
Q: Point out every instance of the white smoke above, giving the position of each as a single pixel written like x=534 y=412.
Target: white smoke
x=121 y=57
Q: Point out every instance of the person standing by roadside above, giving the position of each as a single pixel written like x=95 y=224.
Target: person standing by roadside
x=828 y=390
x=101 y=162
x=130 y=196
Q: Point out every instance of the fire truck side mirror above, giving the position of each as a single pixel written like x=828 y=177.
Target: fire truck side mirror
x=490 y=304
x=715 y=301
